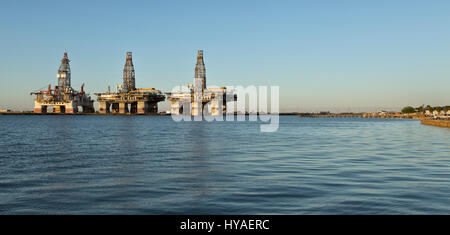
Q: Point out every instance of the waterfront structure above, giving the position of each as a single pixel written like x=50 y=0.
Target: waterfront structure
x=434 y=122
x=63 y=98
x=127 y=98
x=195 y=98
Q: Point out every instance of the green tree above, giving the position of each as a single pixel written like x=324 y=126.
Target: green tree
x=420 y=109
x=408 y=109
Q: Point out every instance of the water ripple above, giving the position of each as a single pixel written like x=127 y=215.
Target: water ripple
x=152 y=165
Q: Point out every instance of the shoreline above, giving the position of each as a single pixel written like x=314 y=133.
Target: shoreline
x=438 y=123
x=101 y=114
x=77 y=114
x=300 y=115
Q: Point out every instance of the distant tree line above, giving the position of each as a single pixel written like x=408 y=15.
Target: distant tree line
x=423 y=108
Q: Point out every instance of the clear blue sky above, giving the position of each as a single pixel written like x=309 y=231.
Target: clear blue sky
x=324 y=55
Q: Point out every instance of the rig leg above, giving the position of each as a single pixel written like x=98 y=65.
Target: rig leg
x=56 y=109
x=71 y=108
x=123 y=108
x=133 y=107
x=103 y=107
x=142 y=107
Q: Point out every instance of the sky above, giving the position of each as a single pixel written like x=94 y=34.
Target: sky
x=324 y=55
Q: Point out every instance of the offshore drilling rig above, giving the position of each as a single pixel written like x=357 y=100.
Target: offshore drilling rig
x=196 y=98
x=127 y=99
x=63 y=98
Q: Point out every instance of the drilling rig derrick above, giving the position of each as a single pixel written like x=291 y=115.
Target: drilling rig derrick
x=128 y=99
x=63 y=98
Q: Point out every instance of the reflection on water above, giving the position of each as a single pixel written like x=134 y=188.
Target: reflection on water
x=152 y=165
x=198 y=155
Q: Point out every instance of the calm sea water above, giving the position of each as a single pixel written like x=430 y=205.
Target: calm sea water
x=152 y=165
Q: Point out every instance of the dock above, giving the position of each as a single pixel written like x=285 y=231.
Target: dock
x=439 y=123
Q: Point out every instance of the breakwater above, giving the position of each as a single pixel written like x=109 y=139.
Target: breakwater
x=440 y=123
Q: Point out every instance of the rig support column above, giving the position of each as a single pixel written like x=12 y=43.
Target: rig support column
x=175 y=107
x=71 y=108
x=57 y=109
x=153 y=108
x=217 y=107
x=115 y=107
x=197 y=108
x=38 y=108
x=133 y=107
x=103 y=107
x=142 y=107
x=123 y=108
